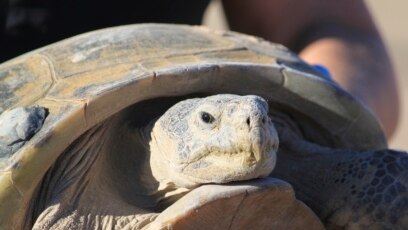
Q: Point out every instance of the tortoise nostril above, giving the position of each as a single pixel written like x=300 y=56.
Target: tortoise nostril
x=263 y=120
x=248 y=121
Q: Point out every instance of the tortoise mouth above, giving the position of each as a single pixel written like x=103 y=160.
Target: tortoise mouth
x=224 y=167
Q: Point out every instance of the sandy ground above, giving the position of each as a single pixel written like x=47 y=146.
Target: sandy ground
x=392 y=19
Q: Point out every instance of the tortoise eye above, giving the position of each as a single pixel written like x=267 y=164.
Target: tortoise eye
x=207 y=118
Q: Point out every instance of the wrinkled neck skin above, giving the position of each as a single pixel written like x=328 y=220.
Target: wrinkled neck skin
x=95 y=184
x=308 y=167
x=316 y=178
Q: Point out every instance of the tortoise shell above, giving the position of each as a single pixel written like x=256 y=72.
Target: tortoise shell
x=85 y=79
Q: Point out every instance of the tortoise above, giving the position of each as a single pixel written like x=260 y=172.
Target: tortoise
x=172 y=126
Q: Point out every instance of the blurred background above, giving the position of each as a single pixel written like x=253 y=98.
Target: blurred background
x=391 y=18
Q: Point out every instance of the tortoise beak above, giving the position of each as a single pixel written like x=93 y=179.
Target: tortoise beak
x=257 y=144
x=264 y=144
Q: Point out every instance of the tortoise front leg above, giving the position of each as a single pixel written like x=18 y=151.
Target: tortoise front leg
x=345 y=188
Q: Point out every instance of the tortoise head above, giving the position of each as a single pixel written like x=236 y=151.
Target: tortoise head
x=216 y=139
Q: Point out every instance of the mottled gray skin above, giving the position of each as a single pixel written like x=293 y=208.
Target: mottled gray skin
x=345 y=188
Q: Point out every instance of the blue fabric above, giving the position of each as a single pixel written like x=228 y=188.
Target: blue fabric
x=324 y=70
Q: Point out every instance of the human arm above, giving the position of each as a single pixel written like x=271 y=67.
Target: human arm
x=340 y=35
